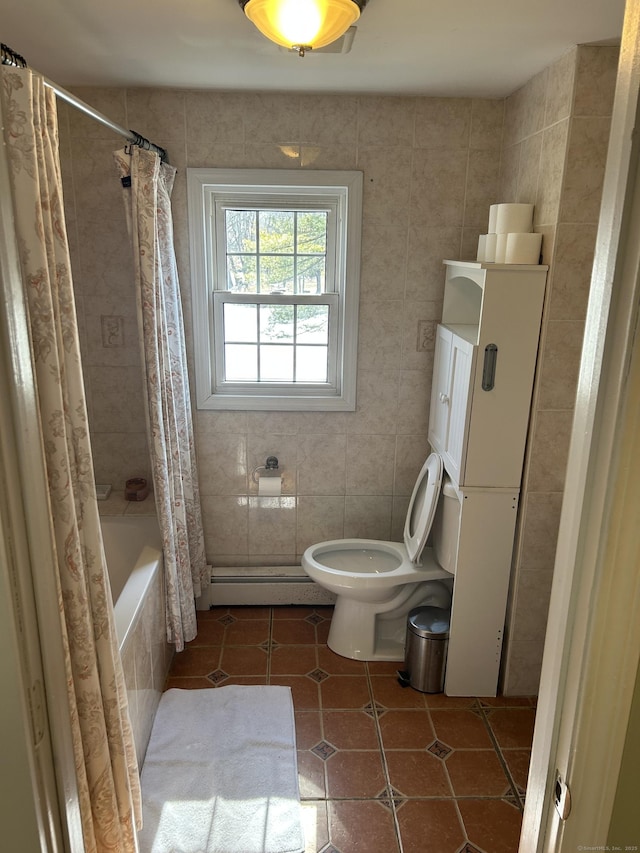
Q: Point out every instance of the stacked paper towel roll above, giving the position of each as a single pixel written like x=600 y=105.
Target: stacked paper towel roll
x=510 y=238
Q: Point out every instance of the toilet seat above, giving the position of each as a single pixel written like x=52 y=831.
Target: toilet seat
x=422 y=507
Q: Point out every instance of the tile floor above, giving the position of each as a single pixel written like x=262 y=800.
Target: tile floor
x=383 y=769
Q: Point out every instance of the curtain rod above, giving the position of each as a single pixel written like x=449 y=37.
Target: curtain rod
x=10 y=57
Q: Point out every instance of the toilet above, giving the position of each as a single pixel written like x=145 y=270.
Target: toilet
x=377 y=583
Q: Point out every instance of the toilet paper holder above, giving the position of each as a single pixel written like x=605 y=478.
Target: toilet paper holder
x=271 y=464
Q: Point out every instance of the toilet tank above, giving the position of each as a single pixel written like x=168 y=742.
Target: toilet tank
x=446 y=526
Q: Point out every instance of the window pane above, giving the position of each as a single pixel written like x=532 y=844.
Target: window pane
x=311 y=364
x=276 y=274
x=241 y=230
x=242 y=273
x=313 y=324
x=276 y=323
x=312 y=232
x=311 y=274
x=276 y=363
x=277 y=231
x=240 y=363
x=240 y=323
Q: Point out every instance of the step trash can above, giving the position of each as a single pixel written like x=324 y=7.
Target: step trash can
x=426 y=649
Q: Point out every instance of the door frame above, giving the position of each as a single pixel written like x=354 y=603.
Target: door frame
x=592 y=645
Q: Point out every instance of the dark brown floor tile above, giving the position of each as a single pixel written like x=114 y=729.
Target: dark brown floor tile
x=431 y=826
x=310 y=775
x=491 y=824
x=355 y=773
x=384 y=667
x=308 y=729
x=187 y=683
x=460 y=729
x=518 y=764
x=293 y=631
x=350 y=730
x=196 y=660
x=249 y=632
x=362 y=827
x=477 y=773
x=244 y=660
x=337 y=665
x=505 y=701
x=417 y=774
x=344 y=691
x=315 y=823
x=513 y=727
x=243 y=679
x=305 y=692
x=210 y=633
x=387 y=692
x=213 y=612
x=250 y=612
x=322 y=631
x=441 y=700
x=292 y=612
x=408 y=729
x=293 y=660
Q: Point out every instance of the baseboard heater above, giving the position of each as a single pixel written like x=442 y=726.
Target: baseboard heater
x=265 y=585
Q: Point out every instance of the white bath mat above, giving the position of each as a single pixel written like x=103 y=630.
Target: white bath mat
x=220 y=774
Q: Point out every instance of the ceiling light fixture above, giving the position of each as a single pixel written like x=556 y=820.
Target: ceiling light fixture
x=303 y=25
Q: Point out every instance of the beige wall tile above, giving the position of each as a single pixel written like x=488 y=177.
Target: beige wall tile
x=367 y=517
x=320 y=518
x=584 y=174
x=596 y=72
x=222 y=465
x=487 y=124
x=560 y=88
x=226 y=526
x=552 y=163
x=272 y=526
x=482 y=183
x=214 y=118
x=387 y=185
x=321 y=464
x=438 y=187
x=541 y=512
x=444 y=123
x=380 y=335
x=376 y=408
x=411 y=453
x=549 y=450
x=571 y=278
x=427 y=248
x=158 y=114
x=386 y=121
x=384 y=262
x=370 y=464
x=529 y=169
x=560 y=363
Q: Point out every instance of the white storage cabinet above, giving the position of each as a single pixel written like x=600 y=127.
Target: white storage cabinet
x=484 y=366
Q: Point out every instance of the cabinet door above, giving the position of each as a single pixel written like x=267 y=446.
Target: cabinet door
x=460 y=395
x=440 y=388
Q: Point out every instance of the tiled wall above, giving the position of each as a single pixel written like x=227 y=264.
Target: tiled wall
x=431 y=169
x=556 y=137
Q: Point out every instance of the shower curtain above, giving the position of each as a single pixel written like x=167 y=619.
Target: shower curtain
x=106 y=767
x=147 y=186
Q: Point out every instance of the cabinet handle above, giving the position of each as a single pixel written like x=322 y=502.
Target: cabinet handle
x=489 y=369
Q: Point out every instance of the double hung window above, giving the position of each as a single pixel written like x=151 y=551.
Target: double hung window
x=275 y=268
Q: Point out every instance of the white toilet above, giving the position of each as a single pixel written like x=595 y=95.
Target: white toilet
x=377 y=583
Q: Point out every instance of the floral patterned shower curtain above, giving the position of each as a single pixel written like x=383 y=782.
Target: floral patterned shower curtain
x=106 y=767
x=147 y=186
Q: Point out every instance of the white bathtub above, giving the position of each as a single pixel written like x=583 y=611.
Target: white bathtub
x=133 y=549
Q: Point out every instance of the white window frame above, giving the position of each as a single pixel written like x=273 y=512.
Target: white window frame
x=210 y=192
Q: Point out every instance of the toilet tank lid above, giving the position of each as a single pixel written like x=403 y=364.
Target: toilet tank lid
x=422 y=506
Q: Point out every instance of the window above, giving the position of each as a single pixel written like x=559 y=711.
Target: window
x=275 y=259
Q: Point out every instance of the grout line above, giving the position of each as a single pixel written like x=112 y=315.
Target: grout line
x=501 y=758
x=383 y=756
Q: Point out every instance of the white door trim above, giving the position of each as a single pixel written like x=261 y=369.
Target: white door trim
x=593 y=640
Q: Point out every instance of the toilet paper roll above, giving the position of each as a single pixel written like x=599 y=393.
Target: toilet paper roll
x=493 y=213
x=490 y=248
x=514 y=218
x=482 y=243
x=270 y=487
x=501 y=248
x=523 y=249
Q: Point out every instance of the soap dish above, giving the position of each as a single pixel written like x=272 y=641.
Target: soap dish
x=103 y=492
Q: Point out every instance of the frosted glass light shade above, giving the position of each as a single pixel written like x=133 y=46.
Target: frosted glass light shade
x=303 y=23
